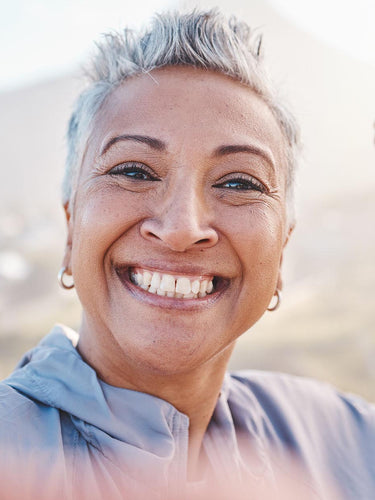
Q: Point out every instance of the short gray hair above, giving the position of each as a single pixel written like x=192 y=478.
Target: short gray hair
x=199 y=39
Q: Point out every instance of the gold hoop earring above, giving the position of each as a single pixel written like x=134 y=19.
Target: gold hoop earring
x=277 y=294
x=60 y=279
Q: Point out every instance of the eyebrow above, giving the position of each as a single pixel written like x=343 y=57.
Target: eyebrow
x=244 y=148
x=150 y=141
x=159 y=145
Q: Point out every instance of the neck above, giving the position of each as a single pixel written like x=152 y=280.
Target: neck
x=193 y=393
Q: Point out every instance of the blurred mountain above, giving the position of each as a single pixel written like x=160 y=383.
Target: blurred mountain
x=327 y=322
x=332 y=94
x=32 y=128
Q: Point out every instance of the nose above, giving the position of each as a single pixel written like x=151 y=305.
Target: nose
x=181 y=223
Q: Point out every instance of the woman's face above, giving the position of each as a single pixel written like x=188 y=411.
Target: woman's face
x=182 y=184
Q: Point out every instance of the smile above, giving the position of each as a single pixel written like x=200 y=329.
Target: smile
x=169 y=285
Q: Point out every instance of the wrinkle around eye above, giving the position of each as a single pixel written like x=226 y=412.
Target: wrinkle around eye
x=134 y=170
x=241 y=182
x=239 y=197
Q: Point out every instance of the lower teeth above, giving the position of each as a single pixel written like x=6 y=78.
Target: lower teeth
x=173 y=295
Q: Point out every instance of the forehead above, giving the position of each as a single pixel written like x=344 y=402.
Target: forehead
x=179 y=104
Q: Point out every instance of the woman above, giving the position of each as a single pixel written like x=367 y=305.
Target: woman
x=178 y=197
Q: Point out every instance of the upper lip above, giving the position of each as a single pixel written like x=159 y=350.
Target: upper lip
x=169 y=268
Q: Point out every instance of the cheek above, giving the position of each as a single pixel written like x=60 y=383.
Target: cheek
x=99 y=221
x=256 y=234
x=259 y=249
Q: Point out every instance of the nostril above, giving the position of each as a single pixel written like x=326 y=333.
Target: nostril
x=178 y=237
x=152 y=235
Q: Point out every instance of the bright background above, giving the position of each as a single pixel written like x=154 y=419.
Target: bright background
x=322 y=55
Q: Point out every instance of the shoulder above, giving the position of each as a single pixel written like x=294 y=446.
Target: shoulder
x=22 y=428
x=329 y=430
x=31 y=443
x=14 y=405
x=310 y=403
x=288 y=393
x=20 y=414
x=28 y=425
x=331 y=434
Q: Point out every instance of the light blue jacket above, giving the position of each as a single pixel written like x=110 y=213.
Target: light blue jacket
x=65 y=434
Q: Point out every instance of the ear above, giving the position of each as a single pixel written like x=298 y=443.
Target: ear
x=279 y=285
x=68 y=247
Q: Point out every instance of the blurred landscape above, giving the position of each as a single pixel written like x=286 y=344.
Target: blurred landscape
x=325 y=327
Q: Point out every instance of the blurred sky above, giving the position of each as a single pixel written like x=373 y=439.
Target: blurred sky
x=344 y=24
x=35 y=43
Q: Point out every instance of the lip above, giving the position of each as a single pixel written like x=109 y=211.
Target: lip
x=222 y=284
x=178 y=269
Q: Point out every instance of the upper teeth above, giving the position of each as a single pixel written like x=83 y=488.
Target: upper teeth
x=172 y=286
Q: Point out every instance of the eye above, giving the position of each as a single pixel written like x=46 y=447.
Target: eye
x=134 y=170
x=241 y=183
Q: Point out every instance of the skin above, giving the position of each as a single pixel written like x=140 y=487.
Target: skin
x=187 y=208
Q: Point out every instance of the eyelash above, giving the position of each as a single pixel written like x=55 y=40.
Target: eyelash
x=136 y=168
x=243 y=184
x=143 y=174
